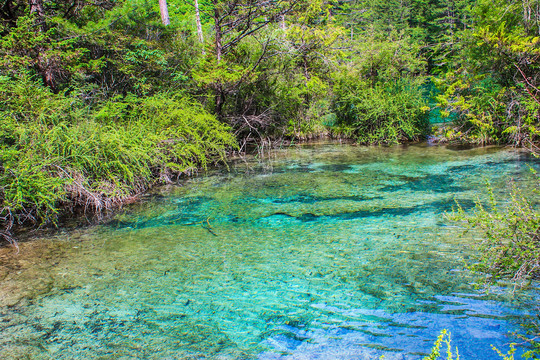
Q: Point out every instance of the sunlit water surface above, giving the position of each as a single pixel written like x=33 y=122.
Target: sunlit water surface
x=318 y=252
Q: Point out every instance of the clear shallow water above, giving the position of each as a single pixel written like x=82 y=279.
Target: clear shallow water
x=319 y=252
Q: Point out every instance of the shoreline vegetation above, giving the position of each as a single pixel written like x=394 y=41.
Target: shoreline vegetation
x=88 y=162
x=98 y=102
x=101 y=101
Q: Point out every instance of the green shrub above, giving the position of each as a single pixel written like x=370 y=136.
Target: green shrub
x=389 y=113
x=444 y=341
x=510 y=246
x=477 y=106
x=57 y=154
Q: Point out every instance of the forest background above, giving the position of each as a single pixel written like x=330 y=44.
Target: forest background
x=99 y=100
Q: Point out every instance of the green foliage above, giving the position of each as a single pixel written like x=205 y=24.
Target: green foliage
x=479 y=106
x=96 y=159
x=443 y=340
x=378 y=95
x=442 y=349
x=385 y=113
x=510 y=246
x=494 y=92
x=507 y=356
x=105 y=50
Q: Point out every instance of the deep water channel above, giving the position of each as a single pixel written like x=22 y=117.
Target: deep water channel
x=321 y=251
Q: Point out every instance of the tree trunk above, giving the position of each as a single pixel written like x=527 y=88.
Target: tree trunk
x=233 y=21
x=220 y=100
x=44 y=64
x=217 y=26
x=199 y=27
x=36 y=7
x=220 y=94
x=164 y=12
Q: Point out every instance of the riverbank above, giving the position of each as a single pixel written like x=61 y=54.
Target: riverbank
x=91 y=161
x=43 y=194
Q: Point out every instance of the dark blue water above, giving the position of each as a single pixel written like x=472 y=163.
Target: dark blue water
x=317 y=252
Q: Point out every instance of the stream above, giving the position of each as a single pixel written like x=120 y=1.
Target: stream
x=316 y=251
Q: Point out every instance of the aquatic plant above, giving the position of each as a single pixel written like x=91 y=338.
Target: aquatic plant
x=443 y=340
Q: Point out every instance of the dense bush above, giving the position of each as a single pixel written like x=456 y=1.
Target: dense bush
x=510 y=247
x=386 y=113
x=56 y=153
x=378 y=96
x=491 y=87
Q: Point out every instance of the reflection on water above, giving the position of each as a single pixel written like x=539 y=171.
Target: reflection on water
x=321 y=252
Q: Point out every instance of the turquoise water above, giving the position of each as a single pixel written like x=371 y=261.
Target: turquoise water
x=320 y=251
